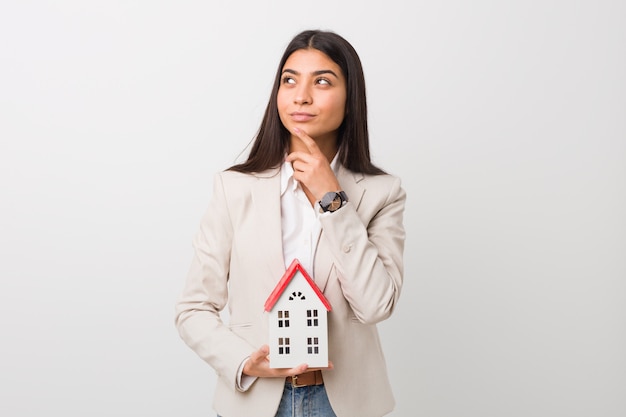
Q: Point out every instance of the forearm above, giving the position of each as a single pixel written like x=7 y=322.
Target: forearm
x=369 y=257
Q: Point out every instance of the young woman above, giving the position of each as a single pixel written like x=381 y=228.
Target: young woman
x=308 y=191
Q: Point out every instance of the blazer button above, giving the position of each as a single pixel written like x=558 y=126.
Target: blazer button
x=347 y=248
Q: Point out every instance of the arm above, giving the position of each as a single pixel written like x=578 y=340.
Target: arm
x=205 y=293
x=368 y=249
x=367 y=246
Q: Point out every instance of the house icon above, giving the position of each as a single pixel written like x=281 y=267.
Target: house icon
x=298 y=321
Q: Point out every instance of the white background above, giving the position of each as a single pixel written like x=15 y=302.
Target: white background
x=505 y=119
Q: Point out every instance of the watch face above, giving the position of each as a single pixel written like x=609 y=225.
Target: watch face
x=335 y=204
x=332 y=201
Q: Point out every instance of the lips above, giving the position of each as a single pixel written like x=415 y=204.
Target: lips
x=301 y=116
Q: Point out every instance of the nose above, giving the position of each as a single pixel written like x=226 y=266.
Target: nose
x=302 y=95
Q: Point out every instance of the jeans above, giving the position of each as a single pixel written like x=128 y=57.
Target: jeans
x=308 y=401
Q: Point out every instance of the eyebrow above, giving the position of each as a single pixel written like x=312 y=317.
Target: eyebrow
x=318 y=72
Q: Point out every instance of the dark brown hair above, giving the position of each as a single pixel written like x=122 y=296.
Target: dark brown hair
x=272 y=139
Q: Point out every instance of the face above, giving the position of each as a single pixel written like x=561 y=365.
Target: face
x=312 y=94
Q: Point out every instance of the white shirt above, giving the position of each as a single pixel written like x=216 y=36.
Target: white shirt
x=300 y=223
x=301 y=230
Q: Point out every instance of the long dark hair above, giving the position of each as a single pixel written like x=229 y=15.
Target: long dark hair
x=272 y=139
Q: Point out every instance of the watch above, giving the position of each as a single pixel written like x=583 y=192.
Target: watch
x=333 y=201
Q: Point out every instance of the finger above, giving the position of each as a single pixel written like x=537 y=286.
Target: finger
x=321 y=368
x=261 y=354
x=298 y=369
x=265 y=349
x=295 y=156
x=308 y=140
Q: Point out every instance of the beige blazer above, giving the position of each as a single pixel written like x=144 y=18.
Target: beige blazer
x=238 y=259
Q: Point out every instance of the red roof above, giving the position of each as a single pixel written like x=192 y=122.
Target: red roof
x=284 y=281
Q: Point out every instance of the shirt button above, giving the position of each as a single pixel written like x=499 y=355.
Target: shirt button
x=346 y=248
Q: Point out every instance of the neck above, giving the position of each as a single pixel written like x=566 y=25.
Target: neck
x=328 y=146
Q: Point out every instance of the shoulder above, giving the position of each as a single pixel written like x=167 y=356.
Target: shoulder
x=386 y=188
x=238 y=186
x=241 y=178
x=381 y=182
x=372 y=193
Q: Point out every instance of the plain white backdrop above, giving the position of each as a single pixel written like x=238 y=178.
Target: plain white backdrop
x=506 y=121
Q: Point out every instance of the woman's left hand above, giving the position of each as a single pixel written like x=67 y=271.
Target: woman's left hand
x=259 y=365
x=312 y=168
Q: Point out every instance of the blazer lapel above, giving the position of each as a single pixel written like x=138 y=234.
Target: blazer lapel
x=349 y=181
x=266 y=200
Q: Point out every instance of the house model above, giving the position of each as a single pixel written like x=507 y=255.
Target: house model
x=298 y=321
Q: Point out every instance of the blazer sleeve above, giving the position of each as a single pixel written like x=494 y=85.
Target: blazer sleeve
x=366 y=239
x=205 y=293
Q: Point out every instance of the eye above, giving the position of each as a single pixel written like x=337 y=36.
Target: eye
x=323 y=81
x=288 y=80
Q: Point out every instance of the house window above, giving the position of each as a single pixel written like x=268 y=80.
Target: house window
x=313 y=345
x=283 y=346
x=283 y=318
x=297 y=295
x=311 y=318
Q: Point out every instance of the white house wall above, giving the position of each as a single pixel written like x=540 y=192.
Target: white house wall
x=298 y=331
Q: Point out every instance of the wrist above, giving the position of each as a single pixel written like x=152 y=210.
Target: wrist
x=333 y=201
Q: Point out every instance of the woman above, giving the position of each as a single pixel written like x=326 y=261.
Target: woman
x=307 y=191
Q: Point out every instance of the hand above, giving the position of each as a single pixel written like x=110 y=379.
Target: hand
x=312 y=168
x=259 y=365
